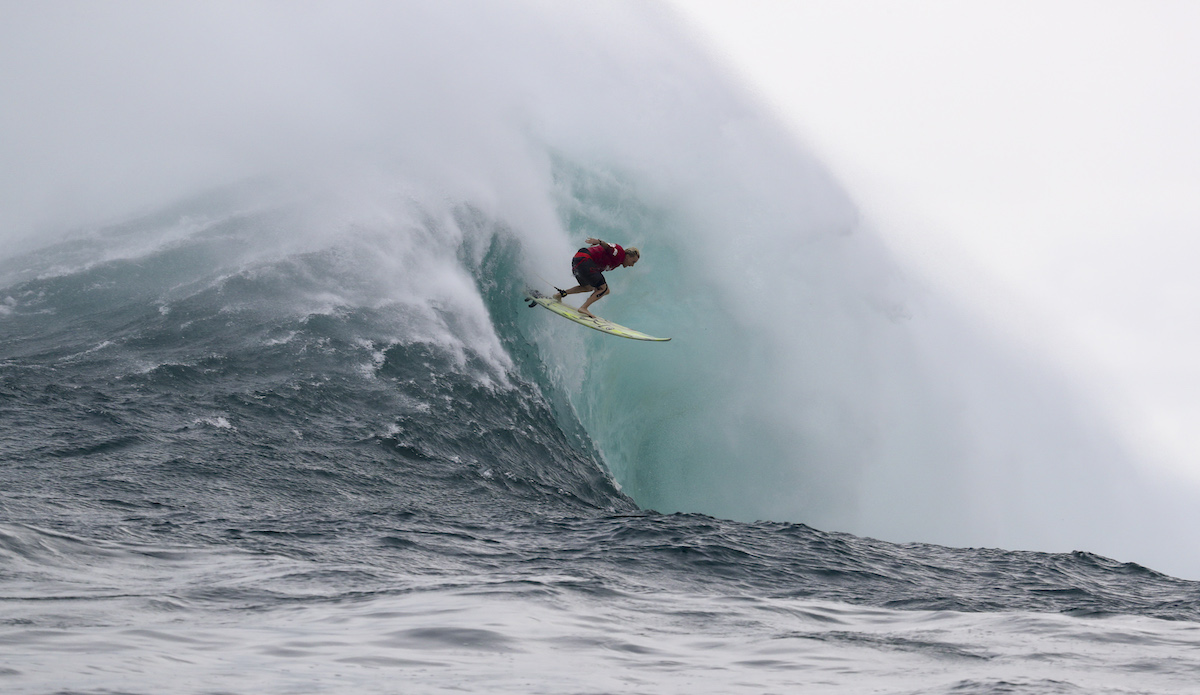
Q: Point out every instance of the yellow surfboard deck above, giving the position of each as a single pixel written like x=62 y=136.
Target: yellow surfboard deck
x=599 y=324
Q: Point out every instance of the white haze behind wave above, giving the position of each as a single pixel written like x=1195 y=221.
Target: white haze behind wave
x=850 y=399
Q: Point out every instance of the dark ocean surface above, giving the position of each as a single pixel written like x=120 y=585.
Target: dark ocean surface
x=223 y=471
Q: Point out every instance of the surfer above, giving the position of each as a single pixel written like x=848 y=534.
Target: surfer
x=588 y=265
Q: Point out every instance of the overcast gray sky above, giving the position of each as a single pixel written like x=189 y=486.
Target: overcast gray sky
x=1040 y=161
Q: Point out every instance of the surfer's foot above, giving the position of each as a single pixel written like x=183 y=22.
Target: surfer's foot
x=558 y=296
x=585 y=312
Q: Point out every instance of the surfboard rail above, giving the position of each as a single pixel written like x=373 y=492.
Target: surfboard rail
x=603 y=325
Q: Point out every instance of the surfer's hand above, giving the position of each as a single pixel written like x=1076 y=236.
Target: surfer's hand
x=592 y=240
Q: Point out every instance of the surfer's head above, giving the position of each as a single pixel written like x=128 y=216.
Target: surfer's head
x=631 y=256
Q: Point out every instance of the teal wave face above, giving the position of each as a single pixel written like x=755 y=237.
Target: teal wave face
x=807 y=379
x=698 y=425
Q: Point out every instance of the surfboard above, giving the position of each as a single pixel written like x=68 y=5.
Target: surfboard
x=603 y=325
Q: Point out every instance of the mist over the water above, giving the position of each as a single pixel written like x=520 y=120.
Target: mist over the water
x=809 y=378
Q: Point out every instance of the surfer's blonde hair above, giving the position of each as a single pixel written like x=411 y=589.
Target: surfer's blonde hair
x=633 y=250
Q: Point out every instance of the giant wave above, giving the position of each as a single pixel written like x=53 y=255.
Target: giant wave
x=373 y=179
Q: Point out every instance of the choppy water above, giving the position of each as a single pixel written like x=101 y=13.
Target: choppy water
x=217 y=479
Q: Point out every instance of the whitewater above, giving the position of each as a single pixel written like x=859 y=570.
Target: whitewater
x=275 y=418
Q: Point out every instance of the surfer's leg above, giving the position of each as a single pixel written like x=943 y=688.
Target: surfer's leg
x=574 y=290
x=600 y=292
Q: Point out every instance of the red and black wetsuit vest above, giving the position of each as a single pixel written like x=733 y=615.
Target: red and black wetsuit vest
x=603 y=258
